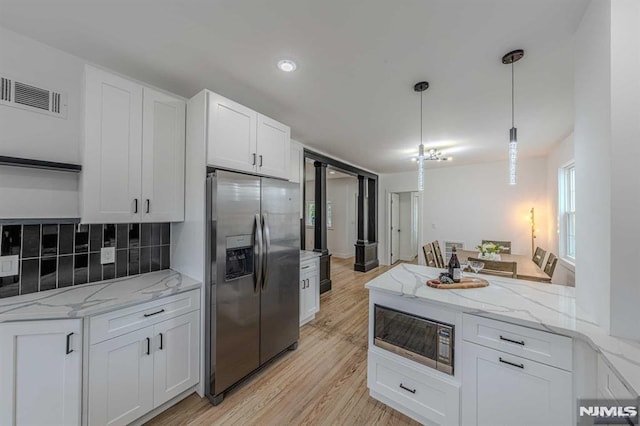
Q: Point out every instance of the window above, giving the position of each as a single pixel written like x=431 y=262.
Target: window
x=567 y=203
x=310 y=217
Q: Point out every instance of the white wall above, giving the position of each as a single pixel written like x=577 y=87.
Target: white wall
x=25 y=192
x=342 y=235
x=625 y=156
x=470 y=203
x=559 y=156
x=592 y=135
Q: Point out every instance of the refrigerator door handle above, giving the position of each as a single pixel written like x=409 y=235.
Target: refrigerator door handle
x=267 y=243
x=258 y=252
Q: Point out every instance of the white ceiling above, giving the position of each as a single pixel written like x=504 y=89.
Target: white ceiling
x=352 y=95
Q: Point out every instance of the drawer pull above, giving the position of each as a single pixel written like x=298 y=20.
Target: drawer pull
x=511 y=363
x=407 y=389
x=517 y=342
x=153 y=313
x=306 y=267
x=69 y=350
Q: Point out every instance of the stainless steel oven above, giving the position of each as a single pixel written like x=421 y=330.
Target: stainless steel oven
x=420 y=339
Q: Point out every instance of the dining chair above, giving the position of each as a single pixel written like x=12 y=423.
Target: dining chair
x=505 y=244
x=438 y=254
x=550 y=266
x=429 y=257
x=538 y=256
x=498 y=268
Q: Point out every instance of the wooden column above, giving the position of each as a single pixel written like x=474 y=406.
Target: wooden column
x=320 y=226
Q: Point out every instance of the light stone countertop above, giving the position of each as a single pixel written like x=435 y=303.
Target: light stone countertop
x=95 y=298
x=548 y=307
x=307 y=255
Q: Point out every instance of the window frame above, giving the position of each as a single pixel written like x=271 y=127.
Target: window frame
x=567 y=212
x=309 y=217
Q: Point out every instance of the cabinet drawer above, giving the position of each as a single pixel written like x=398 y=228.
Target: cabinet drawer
x=609 y=385
x=309 y=267
x=434 y=400
x=116 y=323
x=547 y=348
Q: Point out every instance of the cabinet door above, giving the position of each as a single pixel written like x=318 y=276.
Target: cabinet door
x=274 y=148
x=163 y=145
x=313 y=287
x=232 y=135
x=296 y=161
x=304 y=301
x=121 y=378
x=176 y=356
x=503 y=389
x=111 y=169
x=40 y=374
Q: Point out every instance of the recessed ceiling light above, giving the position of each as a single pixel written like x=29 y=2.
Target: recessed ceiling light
x=287 y=65
x=331 y=172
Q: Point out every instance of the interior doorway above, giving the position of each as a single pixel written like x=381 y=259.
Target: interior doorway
x=404 y=213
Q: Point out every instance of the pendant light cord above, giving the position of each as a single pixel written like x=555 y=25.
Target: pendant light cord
x=512 y=97
x=421 y=118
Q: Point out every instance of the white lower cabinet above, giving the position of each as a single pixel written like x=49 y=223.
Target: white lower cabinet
x=40 y=372
x=136 y=372
x=428 y=398
x=309 y=289
x=503 y=389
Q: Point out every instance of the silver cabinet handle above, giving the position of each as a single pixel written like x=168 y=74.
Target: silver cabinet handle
x=148 y=205
x=260 y=160
x=254 y=159
x=517 y=342
x=69 y=350
x=513 y=364
x=161 y=341
x=305 y=267
x=148 y=346
x=135 y=205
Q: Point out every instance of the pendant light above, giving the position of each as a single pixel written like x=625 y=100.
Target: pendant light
x=421 y=87
x=511 y=58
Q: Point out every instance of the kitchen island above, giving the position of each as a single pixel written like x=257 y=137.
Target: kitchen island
x=535 y=331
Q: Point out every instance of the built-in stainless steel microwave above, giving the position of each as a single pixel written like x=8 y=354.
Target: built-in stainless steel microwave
x=420 y=339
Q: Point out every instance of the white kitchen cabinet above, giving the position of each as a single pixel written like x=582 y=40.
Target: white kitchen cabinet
x=163 y=147
x=309 y=289
x=142 y=356
x=112 y=164
x=176 y=358
x=40 y=372
x=503 y=389
x=133 y=162
x=121 y=378
x=274 y=148
x=296 y=161
x=241 y=139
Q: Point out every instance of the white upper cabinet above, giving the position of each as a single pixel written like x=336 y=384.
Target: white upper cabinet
x=274 y=149
x=232 y=135
x=241 y=139
x=163 y=145
x=295 y=163
x=111 y=170
x=133 y=166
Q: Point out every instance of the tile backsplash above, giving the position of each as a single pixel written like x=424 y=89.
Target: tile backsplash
x=62 y=255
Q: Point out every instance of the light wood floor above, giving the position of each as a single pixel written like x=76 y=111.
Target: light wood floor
x=323 y=382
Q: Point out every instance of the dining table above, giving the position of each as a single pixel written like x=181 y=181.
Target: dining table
x=527 y=269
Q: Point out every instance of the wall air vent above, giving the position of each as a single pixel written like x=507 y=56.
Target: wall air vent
x=32 y=97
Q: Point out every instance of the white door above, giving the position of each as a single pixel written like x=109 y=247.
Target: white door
x=502 y=389
x=395 y=228
x=232 y=135
x=112 y=168
x=163 y=150
x=274 y=147
x=121 y=378
x=176 y=366
x=40 y=372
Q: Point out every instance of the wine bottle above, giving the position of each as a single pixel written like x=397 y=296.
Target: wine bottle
x=454 y=266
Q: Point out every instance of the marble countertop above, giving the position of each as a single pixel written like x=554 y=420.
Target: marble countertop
x=308 y=254
x=547 y=307
x=95 y=298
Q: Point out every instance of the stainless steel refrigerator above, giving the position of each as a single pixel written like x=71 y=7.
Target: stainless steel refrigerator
x=253 y=292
